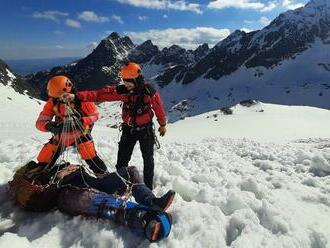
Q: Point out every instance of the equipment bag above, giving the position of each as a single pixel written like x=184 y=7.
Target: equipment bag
x=30 y=195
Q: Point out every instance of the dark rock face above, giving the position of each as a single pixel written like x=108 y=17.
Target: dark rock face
x=226 y=111
x=16 y=82
x=248 y=102
x=143 y=53
x=176 y=61
x=174 y=55
x=201 y=51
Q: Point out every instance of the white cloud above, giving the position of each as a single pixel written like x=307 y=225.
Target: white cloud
x=72 y=23
x=181 y=5
x=288 y=4
x=241 y=4
x=59 y=46
x=248 y=22
x=264 y=20
x=165 y=16
x=247 y=30
x=90 y=16
x=184 y=37
x=270 y=6
x=49 y=15
x=90 y=47
x=117 y=19
x=142 y=18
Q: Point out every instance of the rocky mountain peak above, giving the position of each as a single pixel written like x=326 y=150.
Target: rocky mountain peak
x=144 y=52
x=113 y=36
x=230 y=39
x=147 y=44
x=201 y=51
x=114 y=44
x=173 y=49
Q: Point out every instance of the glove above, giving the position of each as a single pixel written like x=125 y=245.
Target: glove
x=67 y=97
x=54 y=127
x=121 y=89
x=162 y=130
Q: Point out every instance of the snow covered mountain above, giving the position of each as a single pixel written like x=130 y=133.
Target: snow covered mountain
x=286 y=37
x=7 y=78
x=101 y=67
x=287 y=62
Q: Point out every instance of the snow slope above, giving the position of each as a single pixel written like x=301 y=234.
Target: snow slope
x=252 y=179
x=18 y=111
x=293 y=82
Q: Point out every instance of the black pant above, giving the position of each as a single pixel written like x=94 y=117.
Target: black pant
x=112 y=184
x=127 y=142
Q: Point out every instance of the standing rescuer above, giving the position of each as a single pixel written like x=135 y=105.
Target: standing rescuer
x=78 y=135
x=140 y=102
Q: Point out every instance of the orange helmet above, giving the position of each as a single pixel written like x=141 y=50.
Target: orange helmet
x=58 y=85
x=130 y=71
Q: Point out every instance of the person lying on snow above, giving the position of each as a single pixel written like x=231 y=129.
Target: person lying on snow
x=71 y=189
x=77 y=134
x=140 y=102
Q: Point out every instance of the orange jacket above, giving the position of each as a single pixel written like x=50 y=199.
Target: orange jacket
x=88 y=111
x=153 y=102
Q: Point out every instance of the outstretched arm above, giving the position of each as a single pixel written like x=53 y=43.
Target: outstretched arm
x=91 y=112
x=107 y=94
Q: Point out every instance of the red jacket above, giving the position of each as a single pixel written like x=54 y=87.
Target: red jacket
x=152 y=104
x=88 y=111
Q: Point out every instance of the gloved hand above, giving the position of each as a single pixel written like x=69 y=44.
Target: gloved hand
x=67 y=97
x=54 y=127
x=121 y=89
x=162 y=130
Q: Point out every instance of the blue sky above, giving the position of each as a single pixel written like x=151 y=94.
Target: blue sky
x=65 y=28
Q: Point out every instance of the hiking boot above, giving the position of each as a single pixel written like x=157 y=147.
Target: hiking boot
x=153 y=230
x=165 y=201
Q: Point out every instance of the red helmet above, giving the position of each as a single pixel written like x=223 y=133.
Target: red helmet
x=58 y=85
x=130 y=71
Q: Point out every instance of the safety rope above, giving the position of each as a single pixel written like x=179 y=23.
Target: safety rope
x=100 y=154
x=72 y=123
x=62 y=140
x=156 y=141
x=81 y=129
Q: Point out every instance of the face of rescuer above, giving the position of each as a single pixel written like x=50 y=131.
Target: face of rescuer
x=129 y=85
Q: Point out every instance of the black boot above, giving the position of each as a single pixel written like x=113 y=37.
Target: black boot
x=97 y=165
x=164 y=201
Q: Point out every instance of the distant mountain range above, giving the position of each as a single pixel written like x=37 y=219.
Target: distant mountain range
x=286 y=62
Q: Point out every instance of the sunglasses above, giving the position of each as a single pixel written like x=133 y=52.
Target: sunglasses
x=128 y=81
x=69 y=85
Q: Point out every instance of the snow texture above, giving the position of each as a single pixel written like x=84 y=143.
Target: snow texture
x=251 y=179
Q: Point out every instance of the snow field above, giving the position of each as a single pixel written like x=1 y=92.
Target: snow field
x=266 y=186
x=237 y=193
